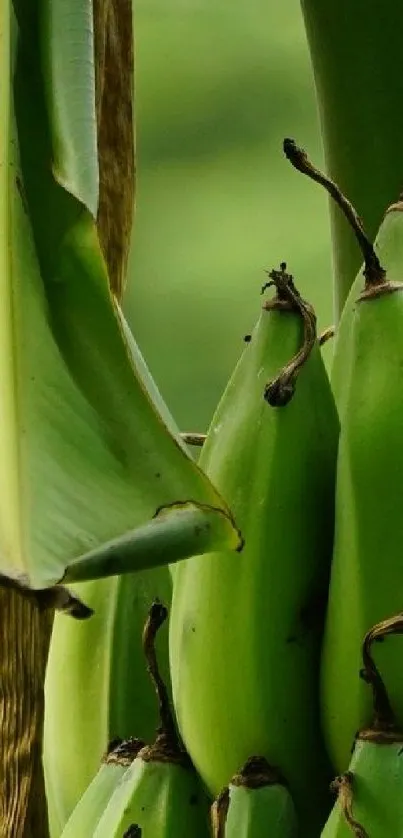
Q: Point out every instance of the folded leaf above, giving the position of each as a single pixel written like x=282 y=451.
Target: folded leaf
x=67 y=47
x=85 y=458
x=175 y=533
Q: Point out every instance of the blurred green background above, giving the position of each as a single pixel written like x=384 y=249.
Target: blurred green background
x=219 y=84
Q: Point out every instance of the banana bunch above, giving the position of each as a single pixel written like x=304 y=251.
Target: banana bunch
x=256 y=804
x=370 y=793
x=245 y=631
x=271 y=649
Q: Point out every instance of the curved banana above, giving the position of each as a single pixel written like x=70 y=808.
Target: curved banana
x=245 y=631
x=256 y=804
x=160 y=793
x=90 y=698
x=367 y=574
x=370 y=793
x=86 y=814
x=97 y=686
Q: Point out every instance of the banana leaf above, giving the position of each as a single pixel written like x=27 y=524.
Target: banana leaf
x=66 y=42
x=92 y=482
x=87 y=42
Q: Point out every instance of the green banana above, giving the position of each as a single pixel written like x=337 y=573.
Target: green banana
x=245 y=635
x=160 y=792
x=256 y=804
x=86 y=814
x=367 y=575
x=370 y=793
x=90 y=695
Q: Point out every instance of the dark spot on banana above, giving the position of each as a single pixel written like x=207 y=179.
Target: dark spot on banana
x=193 y=800
x=134 y=831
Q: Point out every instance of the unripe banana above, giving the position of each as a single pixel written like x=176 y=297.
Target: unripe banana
x=160 y=792
x=370 y=793
x=245 y=633
x=97 y=686
x=85 y=816
x=367 y=572
x=256 y=804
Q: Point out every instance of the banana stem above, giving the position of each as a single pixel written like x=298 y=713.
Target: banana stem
x=24 y=640
x=194 y=439
x=343 y=785
x=280 y=390
x=326 y=335
x=157 y=616
x=373 y=271
x=384 y=718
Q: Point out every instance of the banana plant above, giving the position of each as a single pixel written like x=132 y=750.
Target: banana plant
x=93 y=482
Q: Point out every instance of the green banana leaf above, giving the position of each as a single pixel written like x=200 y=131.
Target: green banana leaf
x=81 y=442
x=67 y=50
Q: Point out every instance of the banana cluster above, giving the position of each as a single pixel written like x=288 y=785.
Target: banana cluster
x=278 y=699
